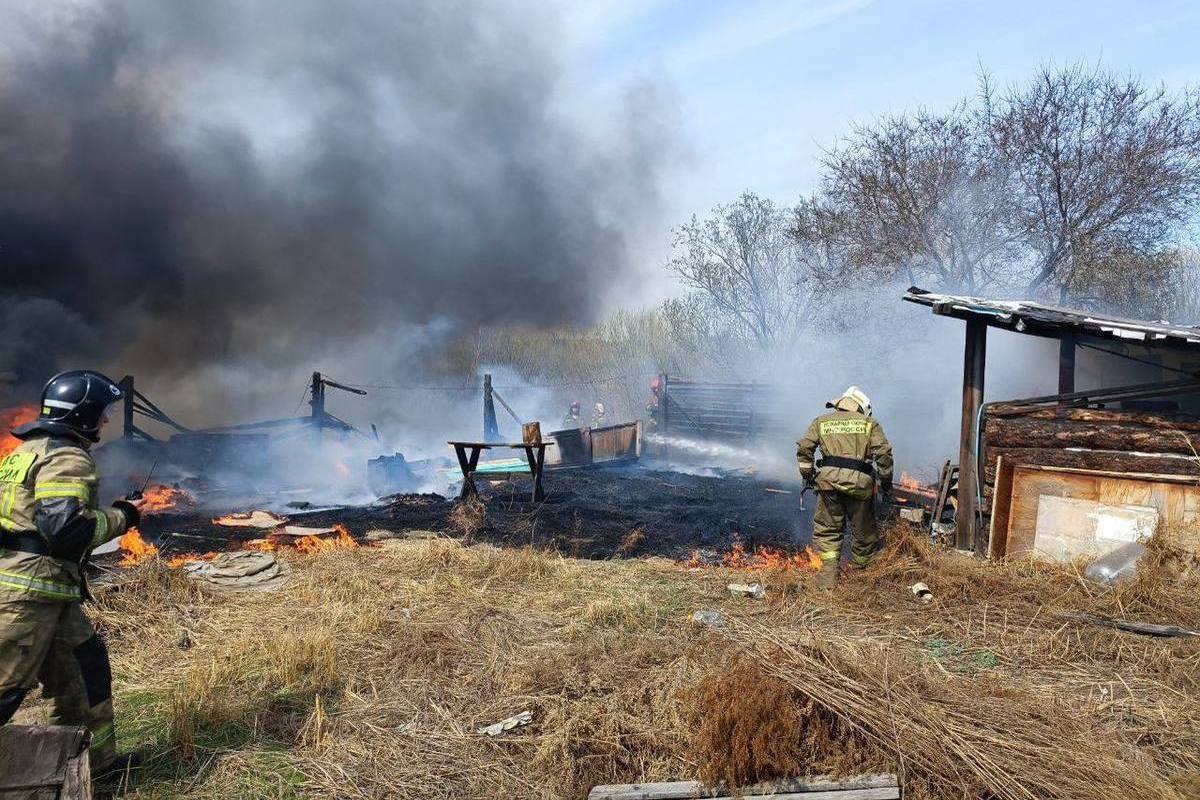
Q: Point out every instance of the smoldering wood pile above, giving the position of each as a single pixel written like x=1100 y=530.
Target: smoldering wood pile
x=1105 y=440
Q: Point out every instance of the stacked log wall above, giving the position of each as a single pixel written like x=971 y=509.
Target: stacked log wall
x=1092 y=439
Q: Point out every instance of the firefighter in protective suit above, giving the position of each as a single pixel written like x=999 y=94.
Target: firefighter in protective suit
x=49 y=524
x=844 y=479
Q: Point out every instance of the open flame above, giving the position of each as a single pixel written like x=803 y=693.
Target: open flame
x=912 y=485
x=135 y=548
x=11 y=418
x=160 y=498
x=761 y=558
x=771 y=558
x=317 y=544
x=313 y=543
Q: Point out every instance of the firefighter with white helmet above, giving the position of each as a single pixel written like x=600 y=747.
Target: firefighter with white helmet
x=855 y=455
x=599 y=415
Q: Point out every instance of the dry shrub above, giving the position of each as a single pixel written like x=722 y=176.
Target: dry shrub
x=631 y=542
x=749 y=726
x=469 y=516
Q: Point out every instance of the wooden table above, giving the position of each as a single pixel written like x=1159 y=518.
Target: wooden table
x=468 y=459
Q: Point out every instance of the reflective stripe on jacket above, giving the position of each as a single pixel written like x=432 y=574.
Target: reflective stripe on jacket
x=48 y=490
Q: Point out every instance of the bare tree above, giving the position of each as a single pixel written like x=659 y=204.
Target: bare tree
x=1101 y=164
x=744 y=267
x=919 y=197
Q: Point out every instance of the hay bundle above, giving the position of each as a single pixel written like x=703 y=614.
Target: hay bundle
x=970 y=737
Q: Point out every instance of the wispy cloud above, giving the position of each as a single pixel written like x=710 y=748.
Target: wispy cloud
x=746 y=27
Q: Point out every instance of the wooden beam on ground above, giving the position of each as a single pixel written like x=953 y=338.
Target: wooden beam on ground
x=858 y=787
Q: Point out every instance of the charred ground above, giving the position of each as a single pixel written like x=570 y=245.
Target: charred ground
x=597 y=513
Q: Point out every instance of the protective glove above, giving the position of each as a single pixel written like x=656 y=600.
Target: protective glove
x=885 y=486
x=133 y=515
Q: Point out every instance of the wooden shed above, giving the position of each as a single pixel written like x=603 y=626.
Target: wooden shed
x=1107 y=462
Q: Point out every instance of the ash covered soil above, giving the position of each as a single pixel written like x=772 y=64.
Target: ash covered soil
x=596 y=513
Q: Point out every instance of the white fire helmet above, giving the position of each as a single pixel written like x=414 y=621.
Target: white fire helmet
x=855 y=396
x=599 y=408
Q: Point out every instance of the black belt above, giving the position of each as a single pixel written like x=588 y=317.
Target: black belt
x=25 y=543
x=848 y=463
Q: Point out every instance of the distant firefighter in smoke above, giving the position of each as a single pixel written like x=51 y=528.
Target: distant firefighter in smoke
x=49 y=524
x=844 y=479
x=573 y=419
x=599 y=415
x=654 y=406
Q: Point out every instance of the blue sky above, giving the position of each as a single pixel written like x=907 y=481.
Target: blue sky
x=763 y=85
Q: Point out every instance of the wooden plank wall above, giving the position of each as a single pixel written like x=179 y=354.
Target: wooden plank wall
x=1104 y=440
x=1021 y=488
x=578 y=448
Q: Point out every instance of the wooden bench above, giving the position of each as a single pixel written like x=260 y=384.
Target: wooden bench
x=468 y=459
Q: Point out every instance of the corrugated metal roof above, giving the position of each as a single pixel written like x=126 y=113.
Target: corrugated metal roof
x=1025 y=316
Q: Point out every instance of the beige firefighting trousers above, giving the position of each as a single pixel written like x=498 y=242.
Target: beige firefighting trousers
x=55 y=645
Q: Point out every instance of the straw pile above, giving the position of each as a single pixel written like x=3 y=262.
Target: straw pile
x=368 y=675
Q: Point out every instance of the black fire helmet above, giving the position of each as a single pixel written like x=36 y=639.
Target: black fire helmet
x=73 y=403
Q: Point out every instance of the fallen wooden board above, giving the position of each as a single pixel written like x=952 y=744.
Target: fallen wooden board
x=44 y=762
x=857 y=787
x=301 y=530
x=252 y=519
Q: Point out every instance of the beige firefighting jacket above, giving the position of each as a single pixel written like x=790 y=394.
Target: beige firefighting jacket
x=48 y=491
x=845 y=434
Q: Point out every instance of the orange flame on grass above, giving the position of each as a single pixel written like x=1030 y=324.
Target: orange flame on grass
x=189 y=558
x=135 y=548
x=772 y=558
x=318 y=544
x=11 y=418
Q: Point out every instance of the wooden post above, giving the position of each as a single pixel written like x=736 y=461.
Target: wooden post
x=974 y=361
x=1066 y=364
x=126 y=386
x=317 y=402
x=491 y=430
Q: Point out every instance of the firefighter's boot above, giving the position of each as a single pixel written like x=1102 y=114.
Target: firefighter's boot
x=827 y=575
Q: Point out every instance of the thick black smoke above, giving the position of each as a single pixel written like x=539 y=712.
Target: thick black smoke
x=186 y=184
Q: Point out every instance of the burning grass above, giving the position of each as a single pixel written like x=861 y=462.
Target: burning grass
x=368 y=674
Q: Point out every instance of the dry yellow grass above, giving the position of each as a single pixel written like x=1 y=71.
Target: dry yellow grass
x=367 y=675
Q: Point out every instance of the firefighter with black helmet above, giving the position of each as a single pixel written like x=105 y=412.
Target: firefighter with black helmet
x=574 y=419
x=855 y=454
x=49 y=524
